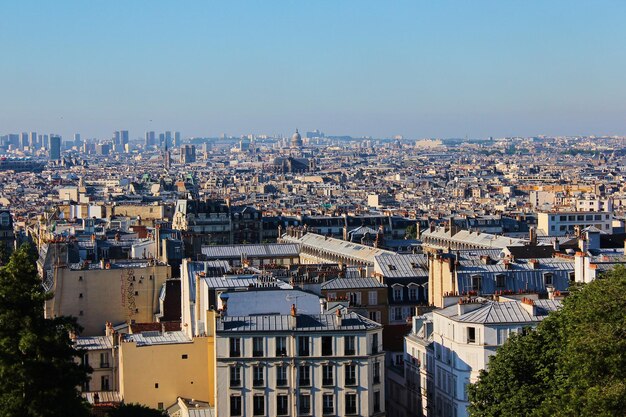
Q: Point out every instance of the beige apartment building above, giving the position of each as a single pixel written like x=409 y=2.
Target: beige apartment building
x=114 y=292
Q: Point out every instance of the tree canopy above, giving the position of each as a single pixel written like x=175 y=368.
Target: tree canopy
x=38 y=372
x=573 y=364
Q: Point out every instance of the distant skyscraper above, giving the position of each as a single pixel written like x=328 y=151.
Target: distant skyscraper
x=162 y=140
x=168 y=139
x=187 y=154
x=23 y=140
x=150 y=139
x=123 y=137
x=55 y=148
x=32 y=140
x=77 y=141
x=177 y=139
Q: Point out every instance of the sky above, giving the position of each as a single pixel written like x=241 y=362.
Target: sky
x=378 y=68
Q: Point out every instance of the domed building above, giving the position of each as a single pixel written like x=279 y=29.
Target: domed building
x=296 y=140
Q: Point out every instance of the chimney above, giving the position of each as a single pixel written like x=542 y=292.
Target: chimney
x=556 y=244
x=338 y=318
x=534 y=264
x=533 y=236
x=293 y=317
x=529 y=305
x=466 y=305
x=108 y=329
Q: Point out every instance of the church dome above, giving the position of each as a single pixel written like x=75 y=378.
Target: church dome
x=296 y=140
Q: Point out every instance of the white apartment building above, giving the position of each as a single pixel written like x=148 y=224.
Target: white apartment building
x=447 y=348
x=562 y=223
x=298 y=364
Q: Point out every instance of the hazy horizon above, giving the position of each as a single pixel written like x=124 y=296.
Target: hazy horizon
x=444 y=69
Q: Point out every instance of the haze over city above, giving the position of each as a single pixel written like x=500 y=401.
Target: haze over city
x=417 y=69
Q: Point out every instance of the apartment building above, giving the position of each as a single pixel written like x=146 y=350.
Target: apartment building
x=563 y=223
x=447 y=348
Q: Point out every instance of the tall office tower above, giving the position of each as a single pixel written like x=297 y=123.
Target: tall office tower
x=177 y=139
x=162 y=140
x=123 y=137
x=187 y=154
x=45 y=142
x=168 y=138
x=14 y=140
x=116 y=137
x=55 y=147
x=32 y=140
x=150 y=139
x=24 y=140
x=77 y=141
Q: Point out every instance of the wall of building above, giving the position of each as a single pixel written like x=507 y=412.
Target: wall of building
x=156 y=375
x=95 y=296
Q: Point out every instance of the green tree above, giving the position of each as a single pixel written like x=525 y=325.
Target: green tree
x=411 y=232
x=38 y=373
x=135 y=410
x=573 y=364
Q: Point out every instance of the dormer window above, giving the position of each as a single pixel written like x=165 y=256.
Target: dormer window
x=500 y=281
x=397 y=293
x=548 y=279
x=476 y=282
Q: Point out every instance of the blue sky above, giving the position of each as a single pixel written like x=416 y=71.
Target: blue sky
x=380 y=68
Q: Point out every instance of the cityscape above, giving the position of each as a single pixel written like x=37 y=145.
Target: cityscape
x=314 y=269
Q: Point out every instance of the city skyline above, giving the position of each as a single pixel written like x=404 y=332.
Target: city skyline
x=449 y=69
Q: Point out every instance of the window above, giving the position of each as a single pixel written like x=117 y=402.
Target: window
x=156 y=385
x=376 y=401
x=304 y=375
x=305 y=404
x=104 y=360
x=548 y=279
x=350 y=374
x=475 y=282
x=257 y=346
x=235 y=347
x=374 y=343
x=397 y=293
x=375 y=316
x=160 y=406
x=281 y=375
x=303 y=346
x=281 y=346
x=500 y=280
x=327 y=345
x=328 y=375
x=397 y=313
x=355 y=298
x=412 y=293
x=86 y=359
x=349 y=345
x=258 y=405
x=328 y=404
x=282 y=405
x=572 y=276
x=184 y=356
x=350 y=403
x=376 y=372
x=104 y=383
x=471 y=335
x=235 y=376
x=257 y=375
x=372 y=298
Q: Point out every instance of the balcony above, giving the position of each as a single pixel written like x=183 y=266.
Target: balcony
x=104 y=365
x=328 y=382
x=257 y=353
x=350 y=381
x=281 y=383
x=304 y=382
x=258 y=383
x=235 y=383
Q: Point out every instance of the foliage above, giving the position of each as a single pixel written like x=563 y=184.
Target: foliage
x=572 y=364
x=38 y=372
x=411 y=232
x=135 y=410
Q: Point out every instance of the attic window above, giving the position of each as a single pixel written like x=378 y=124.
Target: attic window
x=476 y=282
x=414 y=265
x=548 y=279
x=392 y=267
x=500 y=280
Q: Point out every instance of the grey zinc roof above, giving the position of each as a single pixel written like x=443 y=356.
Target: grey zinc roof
x=402 y=266
x=270 y=301
x=253 y=251
x=157 y=338
x=281 y=323
x=502 y=312
x=350 y=283
x=340 y=247
x=93 y=342
x=484 y=240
